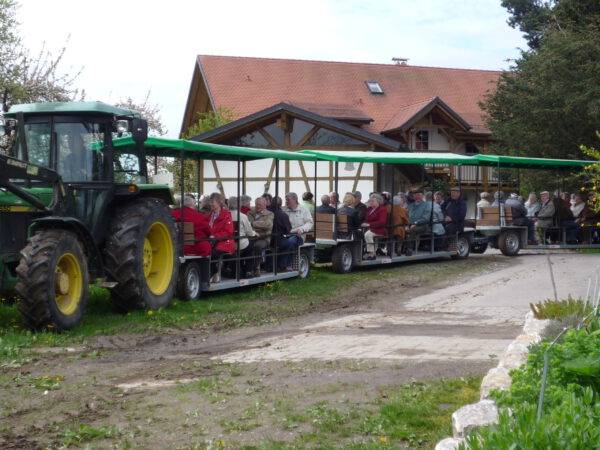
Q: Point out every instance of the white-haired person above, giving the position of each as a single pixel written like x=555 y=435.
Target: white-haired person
x=301 y=222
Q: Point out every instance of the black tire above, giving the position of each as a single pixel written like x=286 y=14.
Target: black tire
x=463 y=247
x=189 y=284
x=342 y=260
x=303 y=264
x=479 y=248
x=128 y=243
x=509 y=243
x=42 y=260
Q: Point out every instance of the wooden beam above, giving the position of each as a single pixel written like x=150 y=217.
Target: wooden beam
x=306 y=185
x=307 y=136
x=322 y=178
x=269 y=178
x=357 y=177
x=268 y=137
x=218 y=179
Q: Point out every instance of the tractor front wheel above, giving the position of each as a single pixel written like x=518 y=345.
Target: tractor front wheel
x=53 y=281
x=140 y=254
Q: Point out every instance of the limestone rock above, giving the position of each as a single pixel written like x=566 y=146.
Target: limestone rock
x=534 y=326
x=496 y=378
x=515 y=355
x=448 y=444
x=473 y=416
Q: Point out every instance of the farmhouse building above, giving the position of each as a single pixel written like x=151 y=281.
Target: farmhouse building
x=297 y=104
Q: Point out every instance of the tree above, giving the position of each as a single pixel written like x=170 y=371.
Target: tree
x=149 y=111
x=205 y=122
x=548 y=104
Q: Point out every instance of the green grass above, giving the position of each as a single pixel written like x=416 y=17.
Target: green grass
x=250 y=306
x=86 y=433
x=415 y=415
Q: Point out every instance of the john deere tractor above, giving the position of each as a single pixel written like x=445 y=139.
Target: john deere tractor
x=73 y=211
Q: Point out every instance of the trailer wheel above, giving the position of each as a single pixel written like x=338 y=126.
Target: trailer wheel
x=463 y=247
x=479 y=248
x=341 y=259
x=509 y=243
x=140 y=255
x=53 y=281
x=303 y=265
x=189 y=284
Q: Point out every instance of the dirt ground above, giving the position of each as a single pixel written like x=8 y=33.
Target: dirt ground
x=185 y=389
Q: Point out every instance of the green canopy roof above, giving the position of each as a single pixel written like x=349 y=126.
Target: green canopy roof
x=156 y=146
x=70 y=108
x=392 y=157
x=531 y=163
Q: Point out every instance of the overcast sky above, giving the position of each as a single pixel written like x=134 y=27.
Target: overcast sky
x=129 y=47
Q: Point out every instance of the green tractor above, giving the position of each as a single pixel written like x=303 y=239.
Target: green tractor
x=73 y=210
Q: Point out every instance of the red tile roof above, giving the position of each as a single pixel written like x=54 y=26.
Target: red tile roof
x=246 y=85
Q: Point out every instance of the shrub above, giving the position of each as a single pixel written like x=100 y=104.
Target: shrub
x=553 y=309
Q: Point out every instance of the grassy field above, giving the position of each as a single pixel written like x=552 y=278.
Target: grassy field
x=251 y=306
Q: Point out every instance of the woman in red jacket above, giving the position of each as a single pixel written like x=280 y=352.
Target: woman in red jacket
x=221 y=230
x=201 y=230
x=376 y=222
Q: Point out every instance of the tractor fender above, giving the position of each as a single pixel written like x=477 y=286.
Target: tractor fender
x=78 y=227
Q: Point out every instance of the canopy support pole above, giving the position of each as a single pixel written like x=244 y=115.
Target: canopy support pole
x=182 y=191
x=274 y=218
x=239 y=225
x=431 y=250
x=198 y=184
x=335 y=189
x=476 y=194
x=315 y=202
x=498 y=200
x=391 y=220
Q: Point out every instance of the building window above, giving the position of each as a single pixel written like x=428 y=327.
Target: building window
x=471 y=149
x=422 y=140
x=374 y=87
x=325 y=137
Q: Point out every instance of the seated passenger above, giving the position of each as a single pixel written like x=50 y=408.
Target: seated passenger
x=360 y=206
x=485 y=200
x=307 y=202
x=580 y=210
x=261 y=220
x=246 y=202
x=201 y=246
x=399 y=215
x=455 y=211
x=376 y=222
x=245 y=231
x=325 y=206
x=221 y=231
x=301 y=222
x=205 y=205
x=281 y=229
x=419 y=216
x=348 y=209
x=564 y=217
x=498 y=198
x=437 y=222
x=334 y=200
x=545 y=216
x=532 y=205
x=519 y=216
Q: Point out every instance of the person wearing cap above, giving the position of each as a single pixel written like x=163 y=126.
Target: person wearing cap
x=455 y=210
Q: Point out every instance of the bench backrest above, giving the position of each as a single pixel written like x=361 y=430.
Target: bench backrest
x=492 y=216
x=188 y=232
x=328 y=225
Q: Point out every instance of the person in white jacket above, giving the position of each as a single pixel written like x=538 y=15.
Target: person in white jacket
x=301 y=221
x=245 y=231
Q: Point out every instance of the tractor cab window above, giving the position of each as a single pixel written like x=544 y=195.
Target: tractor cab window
x=80 y=148
x=127 y=168
x=37 y=136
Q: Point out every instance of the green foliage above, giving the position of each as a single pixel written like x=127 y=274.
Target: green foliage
x=548 y=104
x=208 y=121
x=572 y=426
x=86 y=433
x=593 y=174
x=558 y=309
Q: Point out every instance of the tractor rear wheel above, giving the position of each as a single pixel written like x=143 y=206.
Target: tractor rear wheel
x=53 y=281
x=140 y=254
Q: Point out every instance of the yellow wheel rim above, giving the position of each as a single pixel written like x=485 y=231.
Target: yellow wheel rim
x=157 y=258
x=68 y=284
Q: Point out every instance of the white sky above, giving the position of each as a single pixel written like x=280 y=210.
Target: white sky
x=128 y=47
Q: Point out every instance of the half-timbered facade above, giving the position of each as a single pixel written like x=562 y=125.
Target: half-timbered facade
x=293 y=105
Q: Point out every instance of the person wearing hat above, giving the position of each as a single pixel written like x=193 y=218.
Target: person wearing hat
x=455 y=210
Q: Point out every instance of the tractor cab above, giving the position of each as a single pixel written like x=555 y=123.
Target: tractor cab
x=75 y=140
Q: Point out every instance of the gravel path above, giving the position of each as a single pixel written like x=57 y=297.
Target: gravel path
x=471 y=321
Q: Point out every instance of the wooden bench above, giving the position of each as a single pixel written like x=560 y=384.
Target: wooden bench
x=492 y=216
x=189 y=237
x=330 y=226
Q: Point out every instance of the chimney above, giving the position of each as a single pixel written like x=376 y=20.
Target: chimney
x=400 y=61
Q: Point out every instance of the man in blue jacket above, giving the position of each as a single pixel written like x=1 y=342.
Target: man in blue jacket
x=455 y=210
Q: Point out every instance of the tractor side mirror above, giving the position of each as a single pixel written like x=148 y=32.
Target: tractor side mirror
x=139 y=130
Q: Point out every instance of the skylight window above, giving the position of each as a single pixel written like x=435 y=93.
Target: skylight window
x=374 y=87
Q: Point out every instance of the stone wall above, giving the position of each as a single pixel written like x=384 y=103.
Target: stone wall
x=485 y=412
